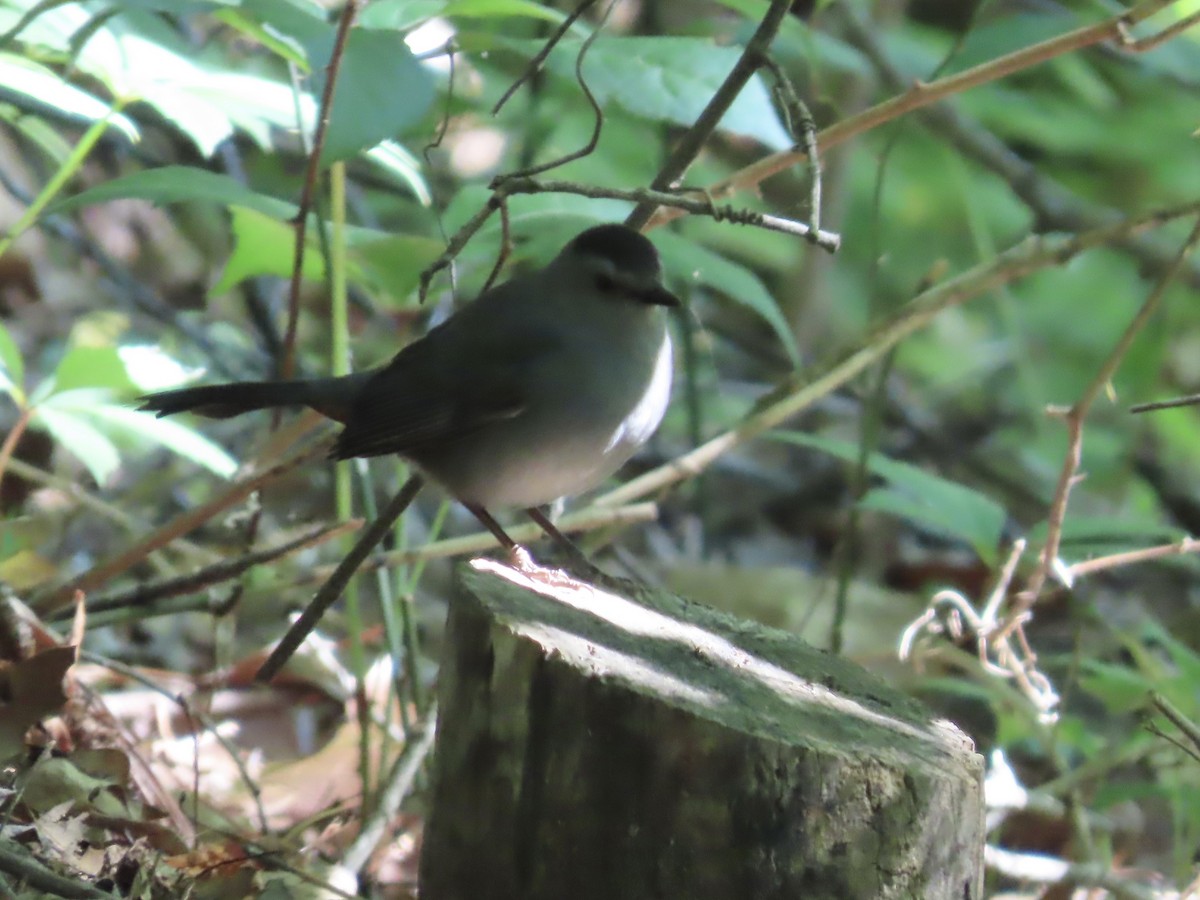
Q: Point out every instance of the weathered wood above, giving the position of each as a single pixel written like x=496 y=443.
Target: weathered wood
x=592 y=746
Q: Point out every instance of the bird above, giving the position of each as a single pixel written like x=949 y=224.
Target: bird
x=539 y=389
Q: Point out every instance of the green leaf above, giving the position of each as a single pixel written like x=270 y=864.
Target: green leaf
x=92 y=367
x=264 y=246
x=281 y=45
x=392 y=265
x=178 y=438
x=44 y=88
x=920 y=496
x=79 y=437
x=500 y=9
x=399 y=15
x=12 y=367
x=668 y=79
x=176 y=184
x=1120 y=688
x=689 y=262
x=382 y=90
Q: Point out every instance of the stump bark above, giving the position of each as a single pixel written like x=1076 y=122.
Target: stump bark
x=596 y=746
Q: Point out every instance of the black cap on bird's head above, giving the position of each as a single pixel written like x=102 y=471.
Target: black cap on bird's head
x=623 y=261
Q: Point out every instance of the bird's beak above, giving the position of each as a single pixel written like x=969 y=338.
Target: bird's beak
x=658 y=296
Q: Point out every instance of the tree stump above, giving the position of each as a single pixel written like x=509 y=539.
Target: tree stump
x=594 y=746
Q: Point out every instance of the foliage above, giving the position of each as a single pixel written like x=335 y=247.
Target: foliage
x=157 y=151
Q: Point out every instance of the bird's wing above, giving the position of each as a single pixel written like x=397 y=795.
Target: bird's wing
x=424 y=398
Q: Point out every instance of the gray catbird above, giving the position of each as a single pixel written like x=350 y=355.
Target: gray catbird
x=539 y=389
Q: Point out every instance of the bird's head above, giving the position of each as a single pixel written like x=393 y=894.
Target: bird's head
x=619 y=263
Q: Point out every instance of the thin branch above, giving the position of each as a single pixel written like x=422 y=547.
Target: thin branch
x=309 y=188
x=535 y=64
x=19 y=862
x=1031 y=255
x=701 y=206
x=1070 y=573
x=921 y=95
x=1075 y=416
x=397 y=786
x=803 y=129
x=145 y=595
x=694 y=138
x=182 y=524
x=1054 y=207
x=333 y=587
x=1177 y=718
x=597 y=113
x=9 y=445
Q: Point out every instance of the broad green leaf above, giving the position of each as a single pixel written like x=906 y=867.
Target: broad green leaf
x=397 y=162
x=176 y=184
x=178 y=438
x=498 y=9
x=1120 y=688
x=399 y=15
x=92 y=367
x=668 y=79
x=73 y=432
x=150 y=368
x=45 y=88
x=921 y=496
x=12 y=366
x=281 y=45
x=382 y=90
x=264 y=246
x=393 y=264
x=690 y=262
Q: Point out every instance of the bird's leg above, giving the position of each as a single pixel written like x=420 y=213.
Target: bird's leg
x=520 y=557
x=577 y=558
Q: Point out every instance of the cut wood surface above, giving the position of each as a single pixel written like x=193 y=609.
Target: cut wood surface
x=594 y=745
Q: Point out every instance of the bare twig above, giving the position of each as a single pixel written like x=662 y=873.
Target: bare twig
x=702 y=206
x=1077 y=413
x=308 y=191
x=921 y=95
x=333 y=587
x=689 y=146
x=1189 y=400
x=182 y=524
x=1031 y=255
x=993 y=639
x=597 y=113
x=1068 y=574
x=147 y=594
x=1177 y=718
x=803 y=129
x=397 y=786
x=535 y=64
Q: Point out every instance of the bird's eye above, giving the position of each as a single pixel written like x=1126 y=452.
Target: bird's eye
x=605 y=283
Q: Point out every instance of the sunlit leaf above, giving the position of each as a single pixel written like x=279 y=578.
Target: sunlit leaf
x=12 y=367
x=264 y=246
x=45 y=88
x=73 y=432
x=176 y=184
x=669 y=79
x=178 y=438
x=92 y=367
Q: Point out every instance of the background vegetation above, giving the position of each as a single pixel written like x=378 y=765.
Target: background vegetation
x=879 y=430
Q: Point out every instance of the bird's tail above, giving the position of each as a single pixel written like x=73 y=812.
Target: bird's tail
x=332 y=397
